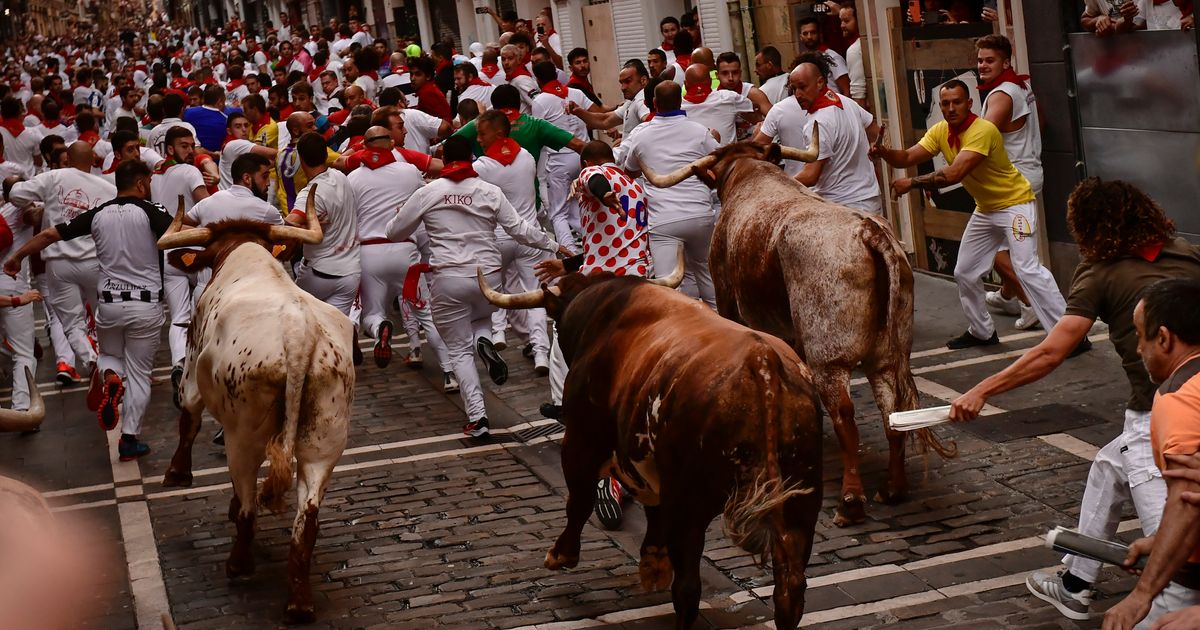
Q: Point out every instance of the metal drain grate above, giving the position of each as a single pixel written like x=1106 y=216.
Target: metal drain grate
x=532 y=433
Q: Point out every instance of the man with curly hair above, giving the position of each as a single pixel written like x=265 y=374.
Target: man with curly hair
x=1127 y=244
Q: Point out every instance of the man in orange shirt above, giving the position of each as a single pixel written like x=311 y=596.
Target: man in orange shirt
x=1168 y=330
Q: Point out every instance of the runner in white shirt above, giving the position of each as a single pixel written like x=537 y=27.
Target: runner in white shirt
x=71 y=266
x=768 y=65
x=178 y=179
x=839 y=74
x=717 y=110
x=331 y=268
x=632 y=111
x=17 y=319
x=399 y=77
x=381 y=185
x=842 y=172
x=239 y=127
x=127 y=146
x=123 y=232
x=682 y=215
x=519 y=76
x=422 y=130
x=20 y=143
x=785 y=124
x=172 y=112
x=561 y=167
x=52 y=124
x=460 y=213
x=470 y=86
x=514 y=171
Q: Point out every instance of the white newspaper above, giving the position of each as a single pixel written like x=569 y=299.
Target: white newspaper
x=919 y=418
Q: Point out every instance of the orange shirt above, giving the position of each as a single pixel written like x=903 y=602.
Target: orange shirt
x=1175 y=418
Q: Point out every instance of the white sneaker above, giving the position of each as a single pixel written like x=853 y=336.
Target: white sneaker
x=541 y=364
x=449 y=383
x=1010 y=306
x=499 y=341
x=1028 y=319
x=1049 y=588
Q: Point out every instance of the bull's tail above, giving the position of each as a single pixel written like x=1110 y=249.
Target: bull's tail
x=897 y=323
x=281 y=448
x=750 y=509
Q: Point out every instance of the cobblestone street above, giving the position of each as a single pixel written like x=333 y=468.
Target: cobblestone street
x=425 y=529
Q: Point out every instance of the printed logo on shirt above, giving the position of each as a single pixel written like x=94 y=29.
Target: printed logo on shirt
x=457 y=200
x=75 y=203
x=1021 y=228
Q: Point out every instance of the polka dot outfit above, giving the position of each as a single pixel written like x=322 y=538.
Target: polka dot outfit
x=614 y=241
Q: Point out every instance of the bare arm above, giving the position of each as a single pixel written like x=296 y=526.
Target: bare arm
x=594 y=119
x=901 y=158
x=811 y=172
x=762 y=138
x=762 y=105
x=200 y=192
x=266 y=152
x=843 y=84
x=964 y=163
x=576 y=145
x=42 y=240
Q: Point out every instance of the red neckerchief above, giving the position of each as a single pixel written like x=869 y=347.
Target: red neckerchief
x=354 y=144
x=489 y=70
x=519 y=71
x=51 y=124
x=683 y=60
x=667 y=46
x=90 y=137
x=953 y=133
x=504 y=151
x=828 y=99
x=822 y=47
x=478 y=81
x=580 y=84
x=339 y=116
x=1150 y=251
x=254 y=129
x=1008 y=76
x=284 y=62
x=315 y=73
x=286 y=112
x=513 y=114
x=162 y=168
x=458 y=171
x=234 y=84
x=374 y=74
x=527 y=58
x=142 y=67
x=555 y=88
x=180 y=83
x=112 y=168
x=698 y=93
x=441 y=65
x=371 y=158
x=15 y=126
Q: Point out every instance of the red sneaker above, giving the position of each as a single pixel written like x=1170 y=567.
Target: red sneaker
x=113 y=391
x=66 y=374
x=95 y=392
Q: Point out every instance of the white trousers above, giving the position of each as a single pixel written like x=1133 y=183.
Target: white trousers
x=695 y=236
x=558 y=372
x=384 y=267
x=561 y=170
x=338 y=292
x=18 y=329
x=1171 y=599
x=128 y=337
x=69 y=285
x=462 y=316
x=1123 y=470
x=58 y=339
x=181 y=290
x=516 y=276
x=1015 y=226
x=871 y=205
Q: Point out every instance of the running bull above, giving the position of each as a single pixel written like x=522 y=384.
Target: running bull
x=833 y=282
x=273 y=365
x=697 y=416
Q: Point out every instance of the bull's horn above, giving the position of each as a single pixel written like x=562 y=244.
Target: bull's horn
x=809 y=155
x=12 y=420
x=312 y=235
x=672 y=281
x=176 y=236
x=670 y=179
x=528 y=299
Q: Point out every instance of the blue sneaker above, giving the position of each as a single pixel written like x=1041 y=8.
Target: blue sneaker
x=129 y=448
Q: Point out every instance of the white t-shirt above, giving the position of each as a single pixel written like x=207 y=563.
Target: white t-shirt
x=633 y=112
x=1158 y=17
x=528 y=88
x=124 y=233
x=664 y=144
x=837 y=68
x=719 y=111
x=232 y=151
x=518 y=182
x=785 y=123
x=157 y=138
x=775 y=88
x=337 y=253
x=1024 y=146
x=420 y=129
x=65 y=193
x=21 y=149
x=21 y=233
x=480 y=94
x=368 y=86
x=858 y=76
x=461 y=219
x=236 y=203
x=396 y=79
x=68 y=134
x=178 y=179
x=553 y=110
x=849 y=174
x=379 y=193
x=149 y=157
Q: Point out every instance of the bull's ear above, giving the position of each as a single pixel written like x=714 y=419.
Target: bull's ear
x=187 y=260
x=706 y=175
x=774 y=154
x=552 y=301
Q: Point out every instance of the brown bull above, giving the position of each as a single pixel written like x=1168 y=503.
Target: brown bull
x=833 y=282
x=697 y=416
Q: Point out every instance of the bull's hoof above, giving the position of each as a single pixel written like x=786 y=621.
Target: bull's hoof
x=655 y=569
x=891 y=497
x=177 y=479
x=239 y=566
x=299 y=613
x=851 y=510
x=556 y=561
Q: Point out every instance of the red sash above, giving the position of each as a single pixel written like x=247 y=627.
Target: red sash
x=504 y=151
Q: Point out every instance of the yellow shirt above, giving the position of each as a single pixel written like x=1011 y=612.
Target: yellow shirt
x=995 y=184
x=292 y=178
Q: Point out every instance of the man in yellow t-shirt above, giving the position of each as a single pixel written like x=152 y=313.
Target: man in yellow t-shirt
x=1004 y=214
x=291 y=177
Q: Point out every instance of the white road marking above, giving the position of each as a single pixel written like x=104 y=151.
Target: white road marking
x=1071 y=444
x=146 y=582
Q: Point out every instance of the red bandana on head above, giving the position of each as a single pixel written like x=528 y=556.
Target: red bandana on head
x=828 y=99
x=504 y=151
x=1008 y=76
x=698 y=93
x=15 y=126
x=555 y=88
x=489 y=70
x=955 y=131
x=458 y=171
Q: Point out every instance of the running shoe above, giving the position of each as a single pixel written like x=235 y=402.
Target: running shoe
x=37 y=349
x=551 y=410
x=1028 y=319
x=496 y=367
x=967 y=340
x=130 y=448
x=449 y=383
x=95 y=389
x=356 y=354
x=66 y=374
x=608 y=503
x=383 y=344
x=414 y=361
x=477 y=428
x=1001 y=304
x=1049 y=588
x=113 y=390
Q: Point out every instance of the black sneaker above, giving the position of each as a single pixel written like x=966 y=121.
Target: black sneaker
x=176 y=380
x=967 y=340
x=129 y=448
x=219 y=438
x=608 y=503
x=477 y=428
x=496 y=367
x=383 y=344
x=1083 y=346
x=356 y=353
x=551 y=410
x=527 y=351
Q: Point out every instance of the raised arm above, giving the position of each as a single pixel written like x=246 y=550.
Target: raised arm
x=901 y=158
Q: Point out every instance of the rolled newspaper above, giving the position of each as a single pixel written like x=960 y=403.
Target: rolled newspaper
x=919 y=418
